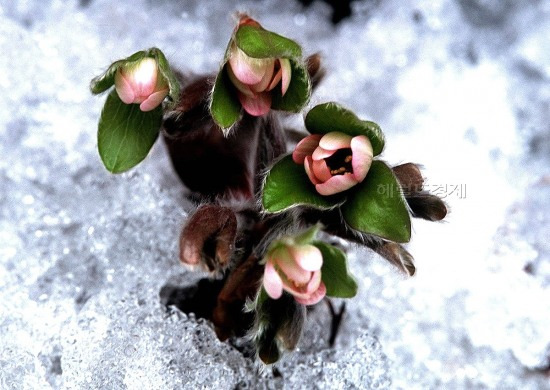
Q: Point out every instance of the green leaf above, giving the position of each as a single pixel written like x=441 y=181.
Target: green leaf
x=106 y=80
x=328 y=117
x=306 y=237
x=166 y=71
x=287 y=185
x=224 y=105
x=257 y=42
x=125 y=133
x=376 y=206
x=298 y=92
x=334 y=272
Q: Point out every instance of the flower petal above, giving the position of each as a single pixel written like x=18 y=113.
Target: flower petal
x=288 y=266
x=321 y=153
x=308 y=257
x=321 y=170
x=262 y=85
x=305 y=148
x=153 y=100
x=144 y=77
x=309 y=170
x=335 y=140
x=123 y=88
x=240 y=86
x=361 y=152
x=286 y=74
x=247 y=69
x=273 y=283
x=275 y=80
x=336 y=184
x=256 y=105
x=314 y=298
x=314 y=282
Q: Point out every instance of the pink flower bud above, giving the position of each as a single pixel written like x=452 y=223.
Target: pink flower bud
x=295 y=268
x=334 y=162
x=141 y=83
x=255 y=78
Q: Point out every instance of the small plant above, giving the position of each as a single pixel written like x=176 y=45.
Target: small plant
x=264 y=217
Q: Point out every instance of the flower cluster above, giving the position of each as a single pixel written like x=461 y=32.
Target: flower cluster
x=295 y=268
x=261 y=71
x=331 y=181
x=255 y=78
x=141 y=83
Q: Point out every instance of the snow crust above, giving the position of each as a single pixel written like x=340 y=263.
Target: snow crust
x=461 y=87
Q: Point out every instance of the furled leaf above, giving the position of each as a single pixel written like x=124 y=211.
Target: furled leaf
x=307 y=236
x=376 y=206
x=166 y=71
x=257 y=42
x=224 y=106
x=106 y=80
x=426 y=206
x=398 y=256
x=328 y=117
x=287 y=185
x=125 y=133
x=298 y=92
x=334 y=272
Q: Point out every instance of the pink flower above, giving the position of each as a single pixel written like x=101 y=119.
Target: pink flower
x=140 y=83
x=255 y=78
x=295 y=268
x=334 y=162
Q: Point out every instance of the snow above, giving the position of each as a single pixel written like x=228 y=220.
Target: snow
x=458 y=86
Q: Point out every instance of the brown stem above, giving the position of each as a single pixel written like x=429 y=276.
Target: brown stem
x=242 y=282
x=336 y=320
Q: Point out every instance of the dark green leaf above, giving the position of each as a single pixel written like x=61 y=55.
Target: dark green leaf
x=224 y=106
x=259 y=43
x=334 y=273
x=261 y=297
x=298 y=92
x=287 y=185
x=306 y=237
x=106 y=80
x=328 y=117
x=125 y=133
x=166 y=71
x=376 y=206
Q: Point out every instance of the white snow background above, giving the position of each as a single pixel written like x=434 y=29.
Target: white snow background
x=461 y=87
